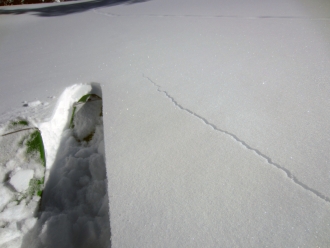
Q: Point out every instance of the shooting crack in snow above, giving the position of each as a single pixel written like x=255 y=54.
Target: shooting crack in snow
x=213 y=16
x=243 y=143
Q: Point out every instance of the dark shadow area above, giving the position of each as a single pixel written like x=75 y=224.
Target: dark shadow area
x=65 y=9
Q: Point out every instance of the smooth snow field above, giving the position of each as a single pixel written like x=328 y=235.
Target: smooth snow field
x=214 y=128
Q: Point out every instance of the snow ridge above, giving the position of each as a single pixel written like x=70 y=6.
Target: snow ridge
x=243 y=143
x=74 y=210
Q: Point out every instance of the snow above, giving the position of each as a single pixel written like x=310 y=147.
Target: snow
x=216 y=119
x=20 y=181
x=75 y=204
x=32 y=104
x=59 y=121
x=69 y=160
x=6 y=197
x=8 y=235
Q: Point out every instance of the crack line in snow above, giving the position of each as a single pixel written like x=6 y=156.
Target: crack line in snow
x=243 y=143
x=214 y=16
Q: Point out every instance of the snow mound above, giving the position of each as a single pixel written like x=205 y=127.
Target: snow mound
x=52 y=129
x=74 y=209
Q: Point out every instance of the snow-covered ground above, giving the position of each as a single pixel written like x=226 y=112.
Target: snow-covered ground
x=65 y=203
x=216 y=113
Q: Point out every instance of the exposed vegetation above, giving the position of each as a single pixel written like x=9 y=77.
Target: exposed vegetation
x=79 y=105
x=35 y=144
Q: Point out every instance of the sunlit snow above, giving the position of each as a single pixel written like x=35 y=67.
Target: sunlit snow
x=215 y=118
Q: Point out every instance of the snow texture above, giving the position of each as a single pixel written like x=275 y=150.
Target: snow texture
x=20 y=181
x=59 y=121
x=216 y=118
x=32 y=104
x=74 y=208
x=21 y=171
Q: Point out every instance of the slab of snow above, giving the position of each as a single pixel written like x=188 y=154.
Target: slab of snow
x=17 y=212
x=6 y=196
x=8 y=235
x=195 y=185
x=20 y=171
x=20 y=181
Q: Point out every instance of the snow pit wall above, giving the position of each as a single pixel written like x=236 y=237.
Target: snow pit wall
x=52 y=130
x=74 y=208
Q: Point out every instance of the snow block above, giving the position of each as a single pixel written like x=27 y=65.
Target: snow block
x=20 y=181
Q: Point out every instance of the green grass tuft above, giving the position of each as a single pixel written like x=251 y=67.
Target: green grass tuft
x=36 y=187
x=72 y=117
x=19 y=123
x=84 y=98
x=35 y=144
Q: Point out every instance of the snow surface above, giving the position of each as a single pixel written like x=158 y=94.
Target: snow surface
x=20 y=181
x=216 y=113
x=18 y=202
